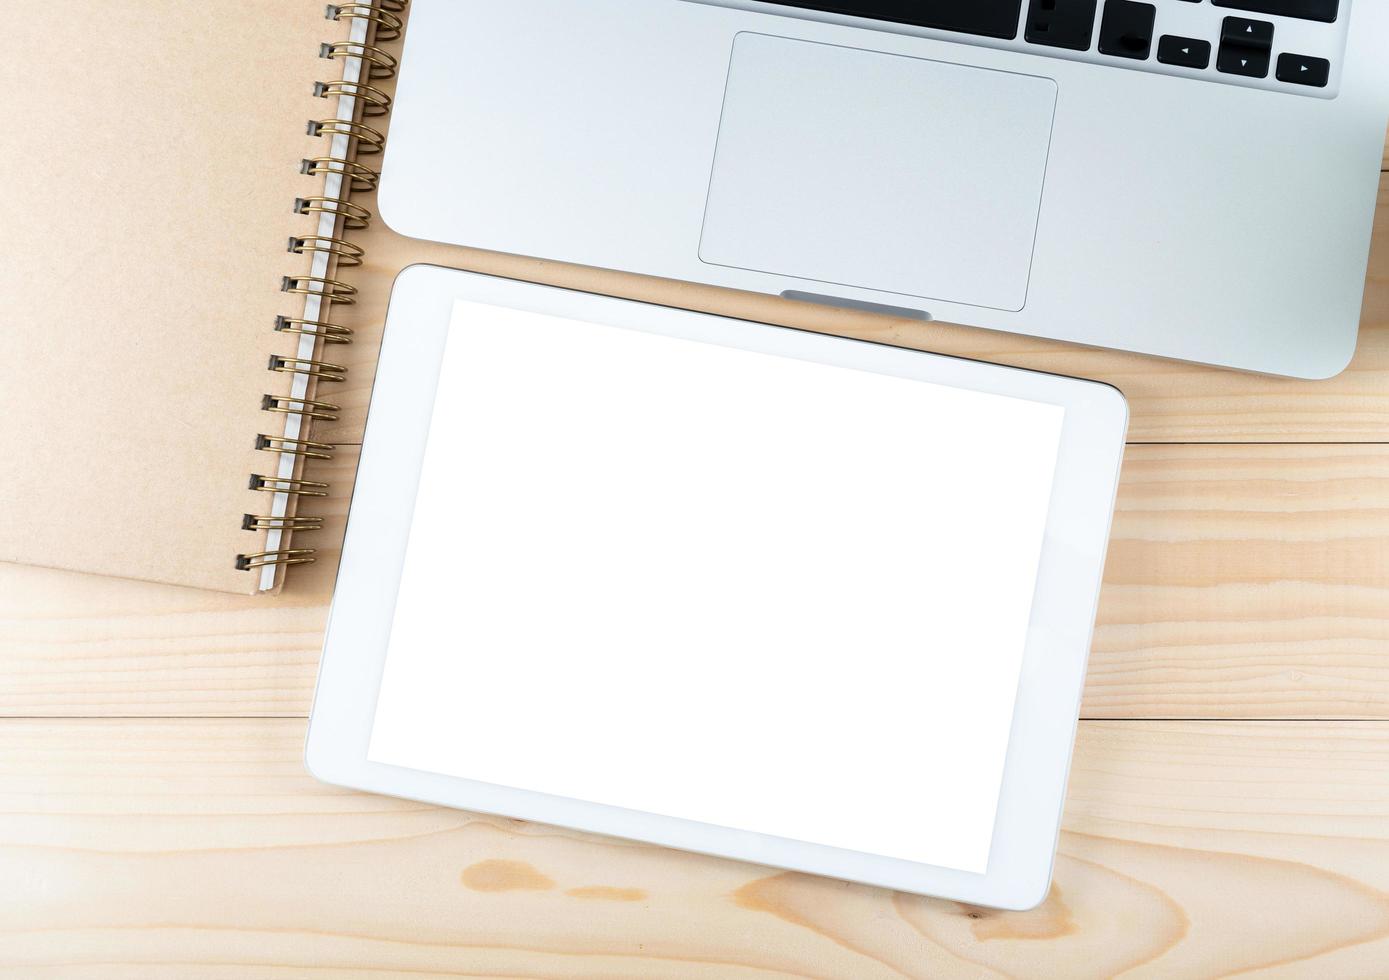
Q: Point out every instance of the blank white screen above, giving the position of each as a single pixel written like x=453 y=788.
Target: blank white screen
x=708 y=583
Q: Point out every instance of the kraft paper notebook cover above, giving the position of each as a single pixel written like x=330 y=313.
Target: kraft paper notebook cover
x=163 y=358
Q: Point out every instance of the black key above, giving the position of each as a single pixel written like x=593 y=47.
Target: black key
x=1302 y=70
x=1247 y=33
x=1185 y=52
x=1323 y=10
x=1237 y=60
x=987 y=18
x=1061 y=23
x=1127 y=29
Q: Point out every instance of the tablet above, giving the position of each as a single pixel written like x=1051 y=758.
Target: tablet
x=734 y=588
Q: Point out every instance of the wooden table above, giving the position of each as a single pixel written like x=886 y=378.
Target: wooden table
x=1228 y=809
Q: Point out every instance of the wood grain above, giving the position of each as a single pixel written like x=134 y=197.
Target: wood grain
x=201 y=848
x=1246 y=581
x=74 y=644
x=1170 y=401
x=1242 y=582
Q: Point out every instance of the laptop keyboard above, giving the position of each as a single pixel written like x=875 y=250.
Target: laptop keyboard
x=986 y=18
x=1288 y=45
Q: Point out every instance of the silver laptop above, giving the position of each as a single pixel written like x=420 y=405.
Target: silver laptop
x=1194 y=179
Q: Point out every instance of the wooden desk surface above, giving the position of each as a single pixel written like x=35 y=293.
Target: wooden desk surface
x=1228 y=810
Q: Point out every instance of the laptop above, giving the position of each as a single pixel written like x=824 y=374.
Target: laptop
x=1194 y=179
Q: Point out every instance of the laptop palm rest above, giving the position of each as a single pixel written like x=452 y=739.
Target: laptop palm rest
x=849 y=167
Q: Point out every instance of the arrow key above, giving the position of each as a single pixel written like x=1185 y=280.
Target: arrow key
x=1302 y=70
x=1246 y=33
x=1185 y=52
x=1237 y=60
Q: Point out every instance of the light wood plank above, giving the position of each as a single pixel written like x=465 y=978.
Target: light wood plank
x=188 y=848
x=1170 y=401
x=1246 y=581
x=1243 y=581
x=75 y=645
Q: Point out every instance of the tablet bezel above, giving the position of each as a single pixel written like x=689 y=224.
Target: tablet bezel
x=1059 y=632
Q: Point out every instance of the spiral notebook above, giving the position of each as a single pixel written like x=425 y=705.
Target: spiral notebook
x=164 y=359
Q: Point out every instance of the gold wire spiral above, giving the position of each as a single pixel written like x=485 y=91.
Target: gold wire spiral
x=309 y=408
x=378 y=64
x=321 y=370
x=329 y=333
x=354 y=217
x=388 y=25
x=295 y=447
x=368 y=140
x=283 y=484
x=368 y=101
x=331 y=289
x=347 y=254
x=363 y=179
x=264 y=559
x=372 y=100
x=257 y=522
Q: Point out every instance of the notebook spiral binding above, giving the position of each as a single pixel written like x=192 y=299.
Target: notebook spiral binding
x=349 y=137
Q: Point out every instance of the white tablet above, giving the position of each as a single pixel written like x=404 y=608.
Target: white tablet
x=739 y=589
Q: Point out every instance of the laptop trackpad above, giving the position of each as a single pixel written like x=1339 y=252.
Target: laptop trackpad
x=857 y=168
